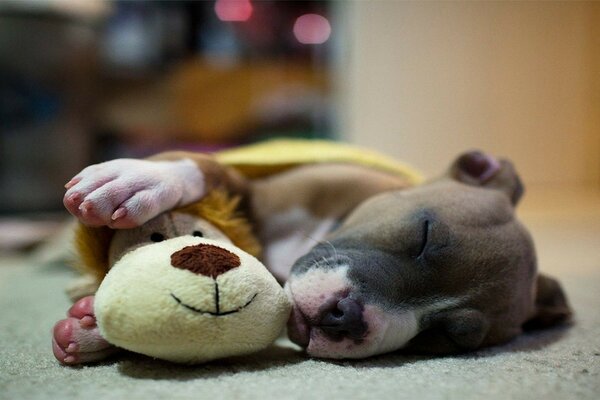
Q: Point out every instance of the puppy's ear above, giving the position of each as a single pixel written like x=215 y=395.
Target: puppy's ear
x=452 y=331
x=551 y=305
x=479 y=169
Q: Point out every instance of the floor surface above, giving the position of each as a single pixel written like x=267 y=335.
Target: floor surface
x=562 y=363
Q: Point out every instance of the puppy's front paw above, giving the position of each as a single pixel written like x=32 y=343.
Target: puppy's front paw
x=77 y=339
x=125 y=193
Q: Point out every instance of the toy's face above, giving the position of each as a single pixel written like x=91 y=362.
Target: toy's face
x=188 y=298
x=163 y=227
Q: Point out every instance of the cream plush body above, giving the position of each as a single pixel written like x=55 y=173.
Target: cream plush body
x=148 y=306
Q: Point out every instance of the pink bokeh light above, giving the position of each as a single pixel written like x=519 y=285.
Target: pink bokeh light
x=312 y=29
x=233 y=10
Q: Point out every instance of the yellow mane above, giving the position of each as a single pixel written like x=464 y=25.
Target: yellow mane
x=222 y=211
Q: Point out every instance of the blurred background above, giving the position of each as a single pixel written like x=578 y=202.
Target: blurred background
x=83 y=81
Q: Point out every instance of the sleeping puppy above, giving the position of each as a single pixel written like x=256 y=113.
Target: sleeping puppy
x=440 y=268
x=371 y=264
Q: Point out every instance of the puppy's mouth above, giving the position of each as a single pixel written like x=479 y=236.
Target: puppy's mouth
x=218 y=312
x=298 y=327
x=320 y=322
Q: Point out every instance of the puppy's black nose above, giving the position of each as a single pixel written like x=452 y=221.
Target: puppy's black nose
x=343 y=319
x=205 y=259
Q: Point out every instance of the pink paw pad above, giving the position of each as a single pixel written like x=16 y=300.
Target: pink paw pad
x=77 y=338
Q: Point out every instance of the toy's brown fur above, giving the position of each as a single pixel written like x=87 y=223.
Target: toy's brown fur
x=217 y=207
x=222 y=210
x=91 y=246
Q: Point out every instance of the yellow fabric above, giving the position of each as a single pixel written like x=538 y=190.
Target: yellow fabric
x=268 y=158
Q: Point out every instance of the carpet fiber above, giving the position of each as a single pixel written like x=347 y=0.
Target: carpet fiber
x=562 y=363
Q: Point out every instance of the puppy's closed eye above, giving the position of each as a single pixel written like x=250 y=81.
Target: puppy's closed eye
x=419 y=250
x=430 y=236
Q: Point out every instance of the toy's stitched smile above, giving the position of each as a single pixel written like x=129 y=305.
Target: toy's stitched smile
x=218 y=312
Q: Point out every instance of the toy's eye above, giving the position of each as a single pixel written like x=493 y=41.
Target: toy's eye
x=198 y=234
x=157 y=237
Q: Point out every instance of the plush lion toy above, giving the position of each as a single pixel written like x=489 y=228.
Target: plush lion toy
x=185 y=286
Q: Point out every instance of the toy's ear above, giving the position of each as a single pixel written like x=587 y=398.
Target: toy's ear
x=551 y=305
x=480 y=169
x=452 y=331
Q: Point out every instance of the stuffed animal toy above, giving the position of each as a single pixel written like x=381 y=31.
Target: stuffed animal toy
x=185 y=286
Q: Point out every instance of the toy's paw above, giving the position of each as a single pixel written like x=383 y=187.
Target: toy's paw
x=125 y=193
x=77 y=339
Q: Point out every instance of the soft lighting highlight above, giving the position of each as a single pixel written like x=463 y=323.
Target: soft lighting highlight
x=312 y=29
x=233 y=10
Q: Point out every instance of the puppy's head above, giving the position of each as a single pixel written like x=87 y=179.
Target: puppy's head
x=443 y=267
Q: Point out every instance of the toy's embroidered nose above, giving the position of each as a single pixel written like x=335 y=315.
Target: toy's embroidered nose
x=204 y=259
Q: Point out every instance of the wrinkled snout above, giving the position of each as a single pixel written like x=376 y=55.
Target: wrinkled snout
x=338 y=312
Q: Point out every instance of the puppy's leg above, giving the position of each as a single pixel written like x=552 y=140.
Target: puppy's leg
x=125 y=193
x=77 y=338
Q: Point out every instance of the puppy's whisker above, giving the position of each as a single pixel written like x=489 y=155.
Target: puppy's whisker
x=306 y=235
x=335 y=253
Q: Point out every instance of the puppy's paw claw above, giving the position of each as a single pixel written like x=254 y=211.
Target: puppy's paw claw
x=120 y=213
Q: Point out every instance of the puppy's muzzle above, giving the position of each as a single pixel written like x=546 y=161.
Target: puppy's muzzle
x=205 y=259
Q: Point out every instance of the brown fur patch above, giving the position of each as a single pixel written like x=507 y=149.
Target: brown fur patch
x=205 y=259
x=221 y=210
x=91 y=245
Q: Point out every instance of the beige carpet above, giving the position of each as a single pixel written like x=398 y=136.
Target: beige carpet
x=562 y=363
